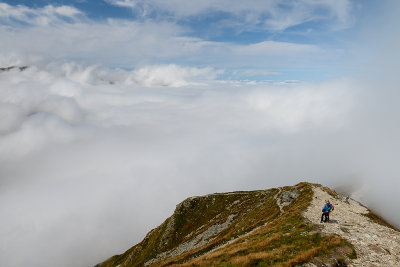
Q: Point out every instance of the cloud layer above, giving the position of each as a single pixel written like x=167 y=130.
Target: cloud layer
x=92 y=158
x=91 y=154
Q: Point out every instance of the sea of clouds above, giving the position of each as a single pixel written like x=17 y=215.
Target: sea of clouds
x=92 y=158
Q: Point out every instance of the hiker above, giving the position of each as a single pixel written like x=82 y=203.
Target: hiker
x=331 y=208
x=325 y=212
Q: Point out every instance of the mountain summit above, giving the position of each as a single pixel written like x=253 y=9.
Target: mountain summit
x=274 y=227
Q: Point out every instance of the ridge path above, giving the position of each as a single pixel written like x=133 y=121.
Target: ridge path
x=375 y=244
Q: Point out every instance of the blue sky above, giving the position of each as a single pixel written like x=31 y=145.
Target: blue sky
x=268 y=40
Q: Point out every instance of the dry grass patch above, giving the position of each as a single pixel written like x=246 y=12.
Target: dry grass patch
x=303 y=256
x=252 y=258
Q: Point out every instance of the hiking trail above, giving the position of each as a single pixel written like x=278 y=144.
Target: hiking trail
x=375 y=244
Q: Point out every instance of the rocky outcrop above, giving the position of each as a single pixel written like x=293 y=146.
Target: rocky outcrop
x=285 y=197
x=198 y=241
x=22 y=68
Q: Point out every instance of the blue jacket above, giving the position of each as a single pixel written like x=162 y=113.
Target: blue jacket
x=326 y=208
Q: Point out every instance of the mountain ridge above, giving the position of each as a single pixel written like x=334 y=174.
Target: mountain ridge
x=278 y=226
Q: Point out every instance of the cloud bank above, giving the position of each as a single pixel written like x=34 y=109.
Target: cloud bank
x=92 y=158
x=90 y=154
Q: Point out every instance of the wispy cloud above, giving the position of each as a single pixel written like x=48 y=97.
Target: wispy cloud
x=171 y=75
x=268 y=15
x=132 y=44
x=64 y=33
x=272 y=48
x=12 y=15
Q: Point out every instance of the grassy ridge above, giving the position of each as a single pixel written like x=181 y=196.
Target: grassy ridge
x=258 y=233
x=285 y=241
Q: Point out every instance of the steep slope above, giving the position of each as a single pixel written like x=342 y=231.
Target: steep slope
x=277 y=227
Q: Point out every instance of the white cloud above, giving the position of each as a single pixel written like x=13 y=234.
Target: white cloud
x=289 y=111
x=248 y=73
x=113 y=43
x=272 y=48
x=66 y=11
x=123 y=3
x=170 y=75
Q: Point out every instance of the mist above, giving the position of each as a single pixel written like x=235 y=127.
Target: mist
x=92 y=156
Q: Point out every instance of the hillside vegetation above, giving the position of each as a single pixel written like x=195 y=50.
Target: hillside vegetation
x=263 y=228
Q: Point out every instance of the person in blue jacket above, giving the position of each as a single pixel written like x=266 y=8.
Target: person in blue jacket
x=325 y=211
x=331 y=208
